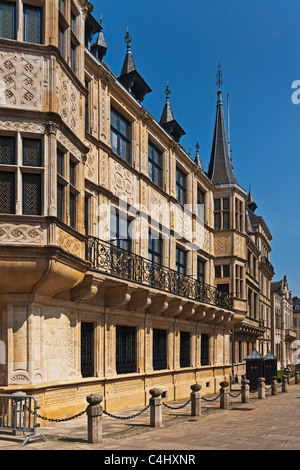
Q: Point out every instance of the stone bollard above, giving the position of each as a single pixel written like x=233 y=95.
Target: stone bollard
x=284 y=383
x=274 y=385
x=156 y=407
x=94 y=413
x=261 y=386
x=297 y=377
x=224 y=395
x=196 y=400
x=245 y=390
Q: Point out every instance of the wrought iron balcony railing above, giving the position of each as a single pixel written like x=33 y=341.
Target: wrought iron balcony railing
x=106 y=257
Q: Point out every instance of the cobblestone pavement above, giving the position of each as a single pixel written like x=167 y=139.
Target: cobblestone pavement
x=269 y=424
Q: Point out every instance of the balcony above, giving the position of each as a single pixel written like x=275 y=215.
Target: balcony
x=266 y=266
x=117 y=262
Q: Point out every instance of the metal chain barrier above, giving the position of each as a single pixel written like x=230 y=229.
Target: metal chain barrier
x=268 y=388
x=53 y=420
x=177 y=407
x=212 y=399
x=235 y=396
x=126 y=417
x=252 y=391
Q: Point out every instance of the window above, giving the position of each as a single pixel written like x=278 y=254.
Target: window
x=155 y=248
x=7 y=150
x=222 y=271
x=67 y=191
x=87 y=202
x=221 y=214
x=87 y=349
x=7 y=20
x=61 y=39
x=238 y=215
x=181 y=261
x=119 y=230
x=120 y=136
x=159 y=349
x=217 y=271
x=204 y=349
x=87 y=118
x=239 y=281
x=224 y=288
x=201 y=270
x=125 y=349
x=200 y=204
x=180 y=186
x=32 y=194
x=7 y=192
x=73 y=56
x=184 y=349
x=32 y=152
x=155 y=164
x=33 y=18
x=61 y=6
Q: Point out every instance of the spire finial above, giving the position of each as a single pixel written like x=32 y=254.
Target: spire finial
x=167 y=92
x=197 y=148
x=219 y=79
x=128 y=39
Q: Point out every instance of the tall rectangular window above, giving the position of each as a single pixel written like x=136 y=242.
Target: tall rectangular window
x=7 y=193
x=7 y=20
x=159 y=349
x=87 y=349
x=87 y=201
x=7 y=150
x=180 y=186
x=155 y=164
x=204 y=349
x=125 y=349
x=181 y=261
x=60 y=201
x=119 y=235
x=225 y=213
x=221 y=214
x=185 y=354
x=155 y=249
x=33 y=21
x=120 y=135
x=61 y=39
x=238 y=214
x=32 y=152
x=72 y=209
x=73 y=56
x=201 y=204
x=201 y=270
x=32 y=194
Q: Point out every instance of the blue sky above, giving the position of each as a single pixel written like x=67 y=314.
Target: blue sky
x=257 y=44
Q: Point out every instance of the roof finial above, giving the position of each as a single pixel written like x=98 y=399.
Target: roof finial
x=197 y=148
x=219 y=80
x=128 y=39
x=167 y=92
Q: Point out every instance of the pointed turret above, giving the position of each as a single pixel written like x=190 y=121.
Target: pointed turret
x=167 y=120
x=197 y=158
x=130 y=78
x=220 y=168
x=99 y=48
x=250 y=203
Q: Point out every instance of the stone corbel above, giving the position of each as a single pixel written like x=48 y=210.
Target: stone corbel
x=139 y=300
x=210 y=314
x=87 y=289
x=158 y=305
x=174 y=308
x=188 y=310
x=200 y=313
x=117 y=296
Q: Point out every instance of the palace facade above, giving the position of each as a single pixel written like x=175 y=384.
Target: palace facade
x=124 y=265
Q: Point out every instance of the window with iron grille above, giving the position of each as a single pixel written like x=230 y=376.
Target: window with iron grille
x=33 y=20
x=185 y=354
x=87 y=349
x=7 y=193
x=204 y=349
x=7 y=20
x=125 y=349
x=120 y=135
x=159 y=349
x=32 y=152
x=7 y=150
x=119 y=230
x=32 y=194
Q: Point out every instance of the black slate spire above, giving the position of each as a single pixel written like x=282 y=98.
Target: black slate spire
x=99 y=48
x=130 y=78
x=250 y=203
x=167 y=120
x=220 y=169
